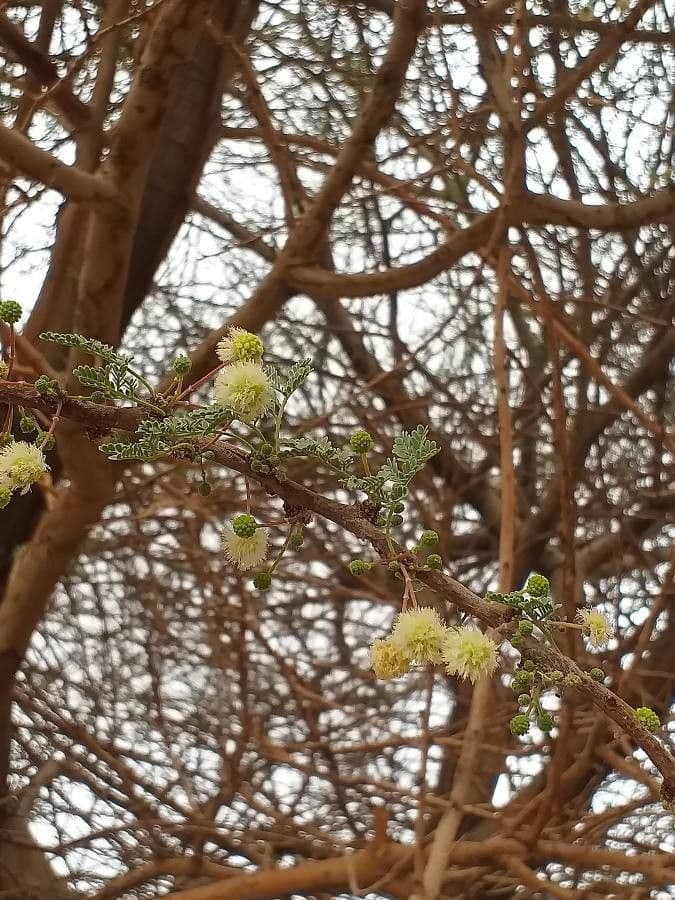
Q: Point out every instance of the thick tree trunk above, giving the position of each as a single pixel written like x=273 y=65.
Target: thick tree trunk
x=185 y=139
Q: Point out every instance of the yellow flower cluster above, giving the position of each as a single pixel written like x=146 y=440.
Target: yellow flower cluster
x=243 y=385
x=420 y=636
x=21 y=464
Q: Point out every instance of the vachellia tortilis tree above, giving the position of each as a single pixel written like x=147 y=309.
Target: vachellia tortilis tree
x=337 y=449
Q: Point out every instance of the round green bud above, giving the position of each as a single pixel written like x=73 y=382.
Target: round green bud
x=360 y=566
x=246 y=345
x=524 y=700
x=545 y=722
x=396 y=520
x=398 y=491
x=434 y=561
x=517 y=640
x=525 y=626
x=572 y=680
x=556 y=676
x=360 y=441
x=244 y=526
x=45 y=386
x=597 y=674
x=10 y=311
x=262 y=581
x=397 y=507
x=428 y=538
x=297 y=538
x=97 y=397
x=27 y=424
x=648 y=718
x=519 y=725
x=529 y=666
x=393 y=566
x=182 y=365
x=537 y=585
x=522 y=679
x=204 y=488
x=4 y=370
x=49 y=442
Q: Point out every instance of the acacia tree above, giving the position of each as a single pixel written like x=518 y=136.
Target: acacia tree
x=462 y=213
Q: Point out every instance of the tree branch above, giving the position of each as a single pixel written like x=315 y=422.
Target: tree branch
x=25 y=157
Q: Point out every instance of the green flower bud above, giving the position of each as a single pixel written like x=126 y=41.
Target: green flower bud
x=648 y=718
x=556 y=676
x=397 y=507
x=529 y=666
x=98 y=397
x=434 y=561
x=393 y=566
x=244 y=526
x=522 y=679
x=266 y=450
x=537 y=585
x=360 y=566
x=519 y=725
x=396 y=520
x=572 y=680
x=525 y=627
x=182 y=365
x=360 y=441
x=517 y=640
x=428 y=538
x=27 y=424
x=47 y=386
x=204 y=488
x=398 y=491
x=10 y=311
x=524 y=700
x=262 y=581
x=545 y=722
x=297 y=537
x=597 y=674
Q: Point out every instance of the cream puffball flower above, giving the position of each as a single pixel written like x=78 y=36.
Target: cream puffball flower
x=245 y=388
x=387 y=661
x=245 y=552
x=22 y=464
x=239 y=345
x=419 y=634
x=596 y=625
x=469 y=653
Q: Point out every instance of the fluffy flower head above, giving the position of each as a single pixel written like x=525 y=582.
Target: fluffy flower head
x=6 y=488
x=22 y=464
x=469 y=653
x=596 y=625
x=245 y=388
x=419 y=634
x=387 y=661
x=245 y=552
x=239 y=345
